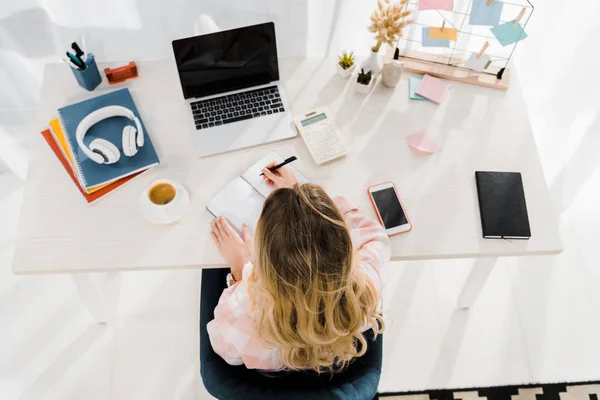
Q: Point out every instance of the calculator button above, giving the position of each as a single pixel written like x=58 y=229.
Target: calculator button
x=323 y=141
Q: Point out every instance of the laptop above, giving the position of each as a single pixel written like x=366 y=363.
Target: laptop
x=230 y=81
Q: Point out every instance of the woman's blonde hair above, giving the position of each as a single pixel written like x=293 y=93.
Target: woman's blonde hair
x=310 y=299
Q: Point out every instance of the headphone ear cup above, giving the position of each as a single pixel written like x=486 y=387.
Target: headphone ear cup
x=108 y=151
x=130 y=147
x=139 y=137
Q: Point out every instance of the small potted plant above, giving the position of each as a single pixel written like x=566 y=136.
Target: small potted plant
x=345 y=65
x=364 y=82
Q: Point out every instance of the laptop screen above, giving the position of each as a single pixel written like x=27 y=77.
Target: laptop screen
x=228 y=60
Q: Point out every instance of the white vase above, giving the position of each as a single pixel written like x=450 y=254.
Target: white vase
x=344 y=73
x=373 y=63
x=392 y=70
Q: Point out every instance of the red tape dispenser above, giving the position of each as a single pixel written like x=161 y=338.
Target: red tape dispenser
x=121 y=74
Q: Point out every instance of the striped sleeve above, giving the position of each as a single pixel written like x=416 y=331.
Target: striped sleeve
x=233 y=333
x=370 y=241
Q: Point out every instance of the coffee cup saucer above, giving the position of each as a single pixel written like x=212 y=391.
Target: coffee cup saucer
x=161 y=217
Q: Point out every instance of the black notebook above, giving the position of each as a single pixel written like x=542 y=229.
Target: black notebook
x=502 y=205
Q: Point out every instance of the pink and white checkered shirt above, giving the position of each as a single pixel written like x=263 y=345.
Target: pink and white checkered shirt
x=233 y=333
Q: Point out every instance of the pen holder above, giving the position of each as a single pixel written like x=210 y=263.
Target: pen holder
x=90 y=77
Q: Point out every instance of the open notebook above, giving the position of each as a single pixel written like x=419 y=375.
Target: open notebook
x=242 y=199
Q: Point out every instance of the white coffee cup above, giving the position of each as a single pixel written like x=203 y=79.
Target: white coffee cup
x=164 y=201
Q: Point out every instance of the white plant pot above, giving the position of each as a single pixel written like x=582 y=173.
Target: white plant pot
x=359 y=87
x=373 y=63
x=344 y=73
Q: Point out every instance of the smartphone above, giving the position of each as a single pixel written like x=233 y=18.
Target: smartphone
x=389 y=208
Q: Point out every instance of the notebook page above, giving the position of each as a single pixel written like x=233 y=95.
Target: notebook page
x=252 y=174
x=239 y=203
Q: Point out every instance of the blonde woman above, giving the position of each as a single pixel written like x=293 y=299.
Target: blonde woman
x=302 y=295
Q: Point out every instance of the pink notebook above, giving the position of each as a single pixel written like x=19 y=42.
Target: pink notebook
x=433 y=88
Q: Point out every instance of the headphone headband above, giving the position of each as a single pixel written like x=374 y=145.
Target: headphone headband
x=97 y=116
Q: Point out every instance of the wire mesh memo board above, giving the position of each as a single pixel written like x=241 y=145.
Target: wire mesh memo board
x=449 y=62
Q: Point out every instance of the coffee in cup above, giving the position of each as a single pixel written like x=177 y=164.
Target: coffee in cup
x=164 y=201
x=162 y=193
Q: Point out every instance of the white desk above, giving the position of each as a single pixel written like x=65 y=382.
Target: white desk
x=477 y=128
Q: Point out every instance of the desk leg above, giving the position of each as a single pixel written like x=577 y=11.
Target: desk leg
x=475 y=281
x=92 y=296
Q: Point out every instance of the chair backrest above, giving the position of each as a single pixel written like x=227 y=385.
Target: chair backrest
x=357 y=382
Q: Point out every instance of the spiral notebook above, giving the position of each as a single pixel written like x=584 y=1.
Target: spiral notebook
x=60 y=139
x=241 y=200
x=89 y=198
x=92 y=174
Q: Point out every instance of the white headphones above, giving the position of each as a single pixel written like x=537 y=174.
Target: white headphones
x=102 y=151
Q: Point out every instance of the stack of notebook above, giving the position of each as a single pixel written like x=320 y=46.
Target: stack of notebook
x=97 y=180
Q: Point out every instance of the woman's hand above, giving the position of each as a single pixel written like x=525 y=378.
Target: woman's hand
x=235 y=250
x=280 y=178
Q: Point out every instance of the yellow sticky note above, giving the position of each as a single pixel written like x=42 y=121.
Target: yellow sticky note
x=446 y=33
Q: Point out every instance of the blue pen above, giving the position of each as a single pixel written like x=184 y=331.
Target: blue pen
x=89 y=59
x=75 y=60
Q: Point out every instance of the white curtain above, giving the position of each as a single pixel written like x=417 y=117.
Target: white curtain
x=34 y=32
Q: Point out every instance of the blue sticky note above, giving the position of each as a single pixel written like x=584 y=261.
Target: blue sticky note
x=428 y=42
x=413 y=84
x=508 y=33
x=482 y=14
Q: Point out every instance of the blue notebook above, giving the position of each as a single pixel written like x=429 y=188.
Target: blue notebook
x=111 y=129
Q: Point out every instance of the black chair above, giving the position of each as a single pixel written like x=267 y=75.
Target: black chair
x=359 y=381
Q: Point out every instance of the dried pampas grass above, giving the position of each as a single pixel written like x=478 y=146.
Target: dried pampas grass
x=387 y=22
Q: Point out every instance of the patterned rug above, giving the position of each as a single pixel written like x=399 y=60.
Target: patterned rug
x=552 y=391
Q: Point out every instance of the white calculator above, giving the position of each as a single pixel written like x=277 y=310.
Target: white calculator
x=321 y=135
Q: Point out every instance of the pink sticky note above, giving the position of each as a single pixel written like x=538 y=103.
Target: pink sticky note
x=436 y=4
x=432 y=88
x=422 y=141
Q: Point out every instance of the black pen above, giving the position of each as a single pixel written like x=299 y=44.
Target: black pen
x=276 y=167
x=78 y=51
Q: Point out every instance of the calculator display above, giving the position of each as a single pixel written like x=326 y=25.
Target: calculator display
x=314 y=119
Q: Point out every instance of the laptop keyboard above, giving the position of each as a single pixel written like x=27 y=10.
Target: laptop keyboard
x=237 y=107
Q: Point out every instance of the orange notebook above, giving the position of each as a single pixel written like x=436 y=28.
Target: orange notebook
x=89 y=198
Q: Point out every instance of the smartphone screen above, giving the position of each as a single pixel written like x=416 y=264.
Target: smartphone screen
x=389 y=208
